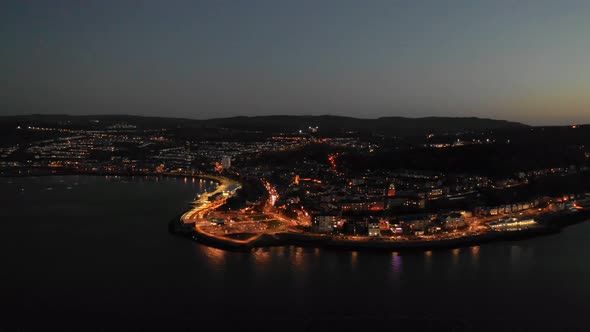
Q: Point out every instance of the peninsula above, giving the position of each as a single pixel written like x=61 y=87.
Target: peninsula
x=249 y=228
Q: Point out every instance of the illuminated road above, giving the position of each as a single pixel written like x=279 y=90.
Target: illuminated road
x=203 y=206
x=272 y=195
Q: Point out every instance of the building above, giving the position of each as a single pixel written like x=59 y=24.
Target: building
x=226 y=162
x=415 y=221
x=453 y=220
x=512 y=224
x=405 y=201
x=323 y=223
x=391 y=190
x=435 y=193
x=374 y=229
x=363 y=205
x=369 y=189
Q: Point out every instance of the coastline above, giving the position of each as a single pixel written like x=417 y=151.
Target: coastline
x=66 y=172
x=551 y=224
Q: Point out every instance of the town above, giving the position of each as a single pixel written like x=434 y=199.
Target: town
x=351 y=185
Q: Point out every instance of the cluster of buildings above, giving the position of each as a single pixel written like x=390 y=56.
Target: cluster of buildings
x=317 y=192
x=411 y=224
x=125 y=148
x=402 y=202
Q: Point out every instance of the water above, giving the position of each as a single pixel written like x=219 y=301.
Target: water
x=93 y=253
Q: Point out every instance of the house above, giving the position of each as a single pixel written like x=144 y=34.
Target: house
x=374 y=229
x=323 y=223
x=453 y=220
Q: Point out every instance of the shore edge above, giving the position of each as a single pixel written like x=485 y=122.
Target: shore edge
x=551 y=224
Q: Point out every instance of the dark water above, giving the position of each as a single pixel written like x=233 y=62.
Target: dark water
x=98 y=257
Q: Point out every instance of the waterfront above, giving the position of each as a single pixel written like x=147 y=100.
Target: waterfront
x=94 y=253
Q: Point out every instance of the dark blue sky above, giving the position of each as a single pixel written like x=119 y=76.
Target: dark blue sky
x=518 y=60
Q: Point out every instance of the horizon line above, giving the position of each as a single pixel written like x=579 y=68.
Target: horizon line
x=293 y=115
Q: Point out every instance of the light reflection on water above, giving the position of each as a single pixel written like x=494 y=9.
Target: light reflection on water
x=297 y=258
x=521 y=256
x=302 y=259
x=515 y=254
x=262 y=256
x=427 y=260
x=456 y=252
x=215 y=256
x=354 y=259
x=475 y=255
x=396 y=263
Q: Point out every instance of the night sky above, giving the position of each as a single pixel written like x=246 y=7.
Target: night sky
x=518 y=60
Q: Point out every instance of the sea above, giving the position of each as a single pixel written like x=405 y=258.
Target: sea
x=93 y=253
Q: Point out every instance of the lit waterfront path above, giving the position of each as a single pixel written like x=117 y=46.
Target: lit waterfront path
x=202 y=205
